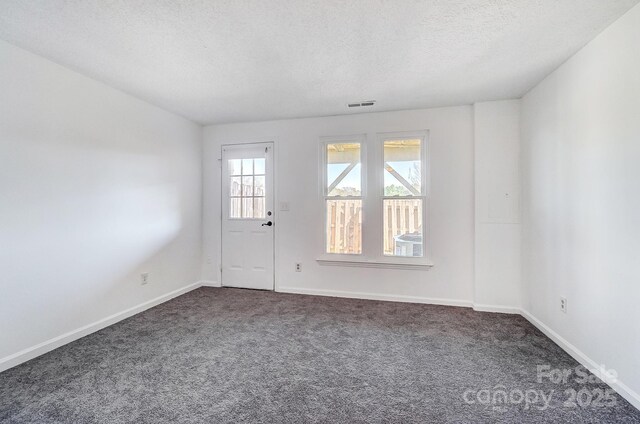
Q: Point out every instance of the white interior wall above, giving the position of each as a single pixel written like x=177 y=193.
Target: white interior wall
x=95 y=188
x=581 y=203
x=297 y=182
x=497 y=205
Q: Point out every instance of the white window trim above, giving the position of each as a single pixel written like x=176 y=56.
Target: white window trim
x=396 y=263
x=324 y=141
x=372 y=180
x=425 y=190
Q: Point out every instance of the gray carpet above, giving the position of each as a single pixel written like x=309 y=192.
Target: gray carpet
x=232 y=356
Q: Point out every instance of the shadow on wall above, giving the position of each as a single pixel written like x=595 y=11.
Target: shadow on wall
x=77 y=222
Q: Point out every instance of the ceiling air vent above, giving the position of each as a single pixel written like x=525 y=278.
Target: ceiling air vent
x=367 y=103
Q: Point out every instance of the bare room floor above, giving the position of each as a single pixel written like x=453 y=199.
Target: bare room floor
x=230 y=356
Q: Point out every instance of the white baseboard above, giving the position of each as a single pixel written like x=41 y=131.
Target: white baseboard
x=56 y=342
x=12 y=360
x=622 y=389
x=374 y=296
x=496 y=308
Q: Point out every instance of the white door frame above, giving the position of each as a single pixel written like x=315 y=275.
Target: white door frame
x=249 y=144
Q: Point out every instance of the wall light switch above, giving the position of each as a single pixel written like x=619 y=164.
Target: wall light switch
x=284 y=206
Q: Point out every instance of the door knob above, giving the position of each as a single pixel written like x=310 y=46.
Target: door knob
x=268 y=224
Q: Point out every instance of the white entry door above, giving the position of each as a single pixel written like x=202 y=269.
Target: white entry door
x=247 y=216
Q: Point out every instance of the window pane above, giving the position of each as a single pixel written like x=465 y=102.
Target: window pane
x=258 y=186
x=403 y=227
x=234 y=208
x=247 y=207
x=246 y=191
x=247 y=186
x=344 y=226
x=234 y=186
x=259 y=166
x=343 y=169
x=403 y=170
x=258 y=207
x=234 y=167
x=247 y=166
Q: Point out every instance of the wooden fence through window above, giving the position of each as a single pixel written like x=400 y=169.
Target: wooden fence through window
x=344 y=223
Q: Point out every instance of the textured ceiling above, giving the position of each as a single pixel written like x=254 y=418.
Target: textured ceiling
x=244 y=60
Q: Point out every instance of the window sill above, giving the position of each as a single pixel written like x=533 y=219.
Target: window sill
x=364 y=263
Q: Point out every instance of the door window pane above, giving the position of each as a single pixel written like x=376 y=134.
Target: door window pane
x=403 y=168
x=247 y=166
x=259 y=166
x=235 y=208
x=344 y=226
x=258 y=187
x=247 y=207
x=403 y=235
x=343 y=169
x=258 y=207
x=234 y=167
x=247 y=186
x=247 y=192
x=235 y=186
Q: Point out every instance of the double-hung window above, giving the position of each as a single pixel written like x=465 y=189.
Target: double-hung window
x=403 y=201
x=343 y=188
x=375 y=199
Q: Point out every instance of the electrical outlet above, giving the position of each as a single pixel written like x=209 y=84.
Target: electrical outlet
x=298 y=267
x=144 y=278
x=209 y=260
x=563 y=304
